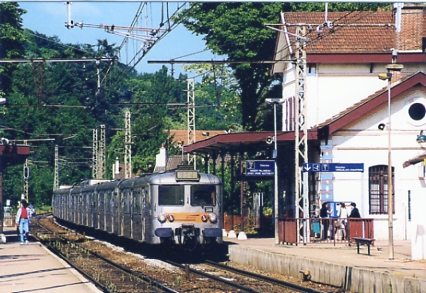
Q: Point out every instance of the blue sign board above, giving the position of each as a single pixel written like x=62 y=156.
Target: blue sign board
x=333 y=167
x=260 y=168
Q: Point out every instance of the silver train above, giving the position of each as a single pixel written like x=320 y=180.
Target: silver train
x=182 y=207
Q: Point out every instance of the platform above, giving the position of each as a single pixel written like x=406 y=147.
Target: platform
x=338 y=264
x=33 y=268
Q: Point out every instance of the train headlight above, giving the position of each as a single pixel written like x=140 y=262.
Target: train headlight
x=204 y=218
x=162 y=218
x=171 y=218
x=212 y=218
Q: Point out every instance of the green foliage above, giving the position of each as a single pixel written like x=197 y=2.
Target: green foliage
x=12 y=38
x=60 y=103
x=237 y=30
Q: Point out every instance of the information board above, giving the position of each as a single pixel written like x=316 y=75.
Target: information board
x=333 y=167
x=260 y=168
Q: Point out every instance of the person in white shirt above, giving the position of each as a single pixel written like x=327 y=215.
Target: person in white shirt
x=343 y=220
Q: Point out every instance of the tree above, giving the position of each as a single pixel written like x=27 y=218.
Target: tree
x=217 y=96
x=238 y=31
x=12 y=38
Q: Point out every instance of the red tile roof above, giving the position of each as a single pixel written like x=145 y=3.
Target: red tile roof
x=360 y=32
x=353 y=32
x=200 y=135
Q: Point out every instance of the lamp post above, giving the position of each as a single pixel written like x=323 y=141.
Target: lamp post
x=388 y=76
x=275 y=102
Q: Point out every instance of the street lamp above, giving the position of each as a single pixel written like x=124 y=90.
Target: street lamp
x=275 y=102
x=388 y=76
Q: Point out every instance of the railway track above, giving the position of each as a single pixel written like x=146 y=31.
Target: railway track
x=115 y=270
x=243 y=280
x=106 y=274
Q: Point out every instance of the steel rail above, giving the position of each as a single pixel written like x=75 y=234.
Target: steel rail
x=264 y=278
x=217 y=279
x=147 y=279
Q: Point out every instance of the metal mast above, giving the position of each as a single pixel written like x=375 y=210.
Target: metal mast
x=95 y=154
x=26 y=172
x=301 y=143
x=56 y=176
x=191 y=119
x=128 y=147
x=101 y=153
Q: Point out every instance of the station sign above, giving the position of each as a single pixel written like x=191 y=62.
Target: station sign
x=333 y=167
x=260 y=168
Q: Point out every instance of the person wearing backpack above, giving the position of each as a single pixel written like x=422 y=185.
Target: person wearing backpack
x=23 y=221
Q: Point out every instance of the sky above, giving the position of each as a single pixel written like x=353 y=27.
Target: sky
x=49 y=18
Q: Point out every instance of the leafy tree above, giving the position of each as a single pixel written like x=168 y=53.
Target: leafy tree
x=150 y=95
x=12 y=38
x=237 y=30
x=220 y=106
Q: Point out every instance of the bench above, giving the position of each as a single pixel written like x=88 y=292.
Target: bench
x=363 y=241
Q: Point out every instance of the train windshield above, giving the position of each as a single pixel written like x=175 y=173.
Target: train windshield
x=171 y=195
x=203 y=195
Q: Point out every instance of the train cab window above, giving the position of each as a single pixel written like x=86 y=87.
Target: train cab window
x=203 y=195
x=171 y=195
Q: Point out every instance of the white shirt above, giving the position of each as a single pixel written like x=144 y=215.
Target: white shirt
x=343 y=213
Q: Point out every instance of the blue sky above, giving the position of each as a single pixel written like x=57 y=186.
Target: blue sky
x=49 y=18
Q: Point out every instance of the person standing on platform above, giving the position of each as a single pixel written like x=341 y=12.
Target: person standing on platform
x=324 y=214
x=354 y=212
x=31 y=212
x=23 y=221
x=343 y=219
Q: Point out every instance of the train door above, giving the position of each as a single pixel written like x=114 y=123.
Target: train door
x=73 y=208
x=90 y=211
x=108 y=210
x=116 y=213
x=101 y=210
x=121 y=213
x=86 y=209
x=80 y=209
x=137 y=214
x=126 y=216
x=146 y=223
x=95 y=205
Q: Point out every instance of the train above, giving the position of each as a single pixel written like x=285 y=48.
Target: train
x=183 y=207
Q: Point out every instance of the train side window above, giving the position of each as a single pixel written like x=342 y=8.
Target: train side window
x=171 y=195
x=203 y=195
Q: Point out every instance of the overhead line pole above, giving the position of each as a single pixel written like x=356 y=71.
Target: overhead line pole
x=128 y=147
x=191 y=119
x=301 y=143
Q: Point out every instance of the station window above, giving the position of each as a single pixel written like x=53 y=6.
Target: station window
x=416 y=110
x=378 y=189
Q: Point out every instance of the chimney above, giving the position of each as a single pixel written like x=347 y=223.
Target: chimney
x=409 y=26
x=161 y=158
x=117 y=166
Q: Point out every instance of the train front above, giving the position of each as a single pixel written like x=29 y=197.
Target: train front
x=188 y=209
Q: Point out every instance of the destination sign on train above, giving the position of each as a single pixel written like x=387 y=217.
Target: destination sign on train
x=260 y=168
